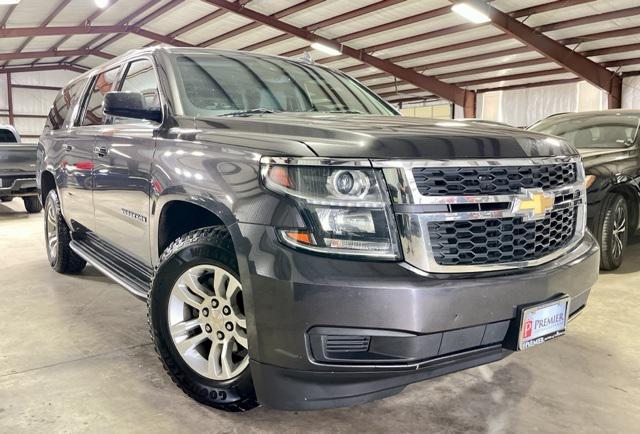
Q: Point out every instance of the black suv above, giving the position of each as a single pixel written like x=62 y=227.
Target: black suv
x=298 y=242
x=608 y=141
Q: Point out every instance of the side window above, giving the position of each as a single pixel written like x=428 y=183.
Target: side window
x=64 y=102
x=141 y=78
x=7 y=136
x=102 y=84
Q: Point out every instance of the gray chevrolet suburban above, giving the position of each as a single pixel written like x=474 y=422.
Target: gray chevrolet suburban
x=298 y=243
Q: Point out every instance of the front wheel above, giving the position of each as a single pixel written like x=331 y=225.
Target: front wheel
x=612 y=232
x=32 y=204
x=197 y=320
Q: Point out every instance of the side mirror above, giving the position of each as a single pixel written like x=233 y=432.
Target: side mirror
x=130 y=105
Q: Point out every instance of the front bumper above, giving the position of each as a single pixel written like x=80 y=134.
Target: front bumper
x=418 y=326
x=18 y=187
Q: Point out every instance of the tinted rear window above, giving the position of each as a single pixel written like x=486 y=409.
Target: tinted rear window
x=7 y=136
x=66 y=99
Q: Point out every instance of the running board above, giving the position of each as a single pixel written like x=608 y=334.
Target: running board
x=128 y=272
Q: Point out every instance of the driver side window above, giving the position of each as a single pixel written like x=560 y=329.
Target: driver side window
x=140 y=77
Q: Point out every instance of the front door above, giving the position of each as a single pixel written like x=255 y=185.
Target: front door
x=122 y=170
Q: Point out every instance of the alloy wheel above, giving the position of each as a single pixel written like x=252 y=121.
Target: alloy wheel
x=207 y=322
x=52 y=230
x=619 y=229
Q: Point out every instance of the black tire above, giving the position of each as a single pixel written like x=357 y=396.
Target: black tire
x=6 y=199
x=32 y=204
x=611 y=256
x=63 y=259
x=212 y=246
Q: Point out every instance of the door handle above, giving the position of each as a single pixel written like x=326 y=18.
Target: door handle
x=101 y=151
x=67 y=148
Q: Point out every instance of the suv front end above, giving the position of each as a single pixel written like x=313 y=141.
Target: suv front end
x=403 y=270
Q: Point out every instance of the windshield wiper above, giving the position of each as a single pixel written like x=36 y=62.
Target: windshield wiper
x=255 y=111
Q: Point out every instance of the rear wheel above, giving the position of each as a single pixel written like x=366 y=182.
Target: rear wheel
x=32 y=204
x=198 y=323
x=613 y=231
x=58 y=237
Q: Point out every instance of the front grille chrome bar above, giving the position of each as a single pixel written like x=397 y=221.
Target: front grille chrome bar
x=413 y=222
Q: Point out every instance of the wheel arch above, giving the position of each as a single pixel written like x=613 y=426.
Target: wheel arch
x=47 y=183
x=177 y=216
x=632 y=197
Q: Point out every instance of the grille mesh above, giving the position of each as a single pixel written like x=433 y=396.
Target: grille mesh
x=501 y=240
x=457 y=181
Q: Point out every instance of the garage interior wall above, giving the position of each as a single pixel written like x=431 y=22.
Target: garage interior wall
x=523 y=107
x=631 y=92
x=31 y=106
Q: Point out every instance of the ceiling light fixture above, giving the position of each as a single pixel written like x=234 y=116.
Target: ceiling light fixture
x=9 y=2
x=470 y=12
x=102 y=3
x=325 y=49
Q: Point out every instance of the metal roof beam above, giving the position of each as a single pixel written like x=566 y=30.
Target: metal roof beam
x=472 y=43
x=87 y=21
x=328 y=22
x=42 y=67
x=589 y=70
x=440 y=88
x=53 y=53
x=152 y=16
x=7 y=15
x=54 y=13
x=480 y=81
x=247 y=27
x=440 y=32
x=20 y=32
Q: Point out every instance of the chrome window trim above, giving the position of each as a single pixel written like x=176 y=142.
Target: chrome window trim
x=413 y=227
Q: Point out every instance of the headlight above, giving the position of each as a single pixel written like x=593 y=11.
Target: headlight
x=345 y=206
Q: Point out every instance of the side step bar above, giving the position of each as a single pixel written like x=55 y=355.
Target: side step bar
x=127 y=272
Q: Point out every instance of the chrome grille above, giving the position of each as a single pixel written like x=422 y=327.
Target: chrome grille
x=447 y=181
x=496 y=241
x=483 y=225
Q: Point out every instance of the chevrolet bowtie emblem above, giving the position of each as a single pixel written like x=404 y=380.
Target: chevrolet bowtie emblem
x=533 y=204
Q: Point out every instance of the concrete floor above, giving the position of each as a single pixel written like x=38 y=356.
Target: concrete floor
x=75 y=355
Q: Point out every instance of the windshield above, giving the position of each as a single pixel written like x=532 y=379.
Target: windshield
x=601 y=131
x=235 y=83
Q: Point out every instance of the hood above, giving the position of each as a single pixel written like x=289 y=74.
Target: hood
x=386 y=137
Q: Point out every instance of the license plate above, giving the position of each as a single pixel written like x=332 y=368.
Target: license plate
x=543 y=322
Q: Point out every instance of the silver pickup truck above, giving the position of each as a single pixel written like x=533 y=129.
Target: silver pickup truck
x=18 y=170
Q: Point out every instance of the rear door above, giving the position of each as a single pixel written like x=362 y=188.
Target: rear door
x=72 y=149
x=122 y=169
